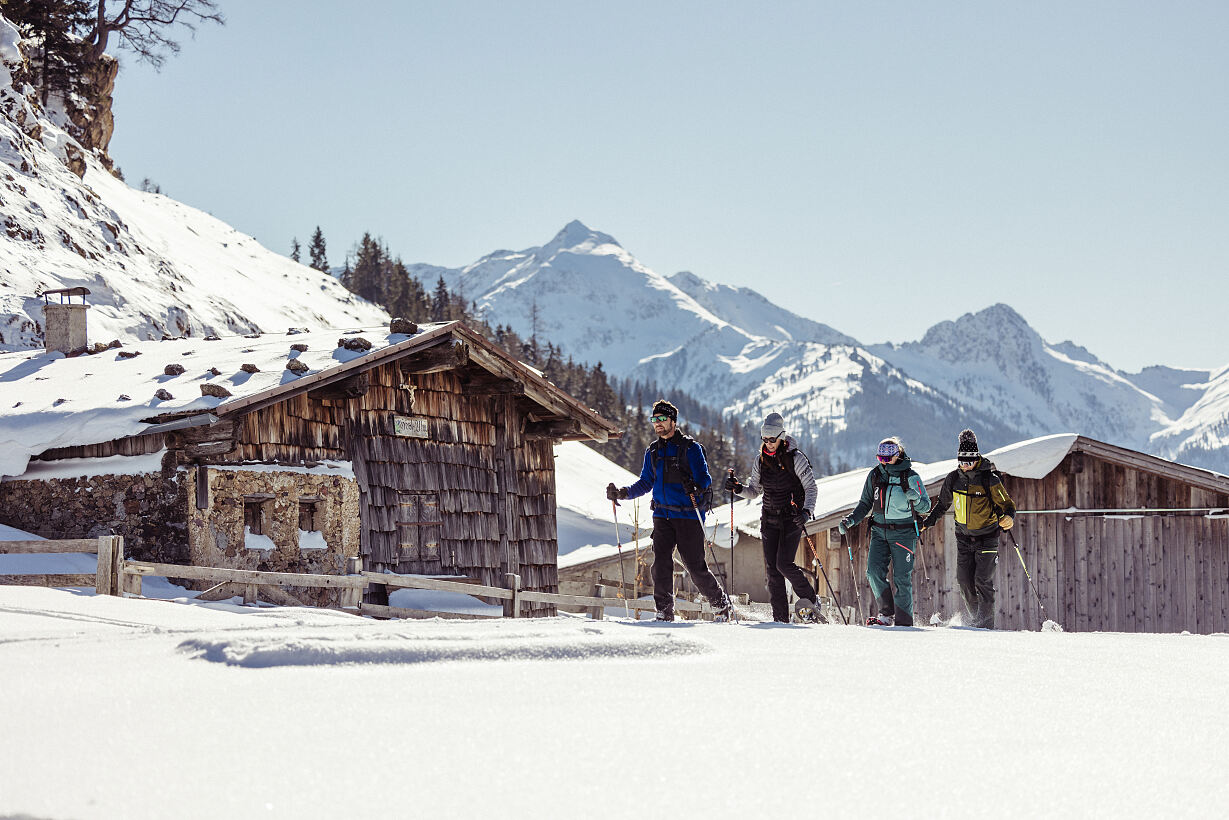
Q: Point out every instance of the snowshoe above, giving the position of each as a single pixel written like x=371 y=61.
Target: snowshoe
x=880 y=620
x=806 y=612
x=724 y=612
x=664 y=616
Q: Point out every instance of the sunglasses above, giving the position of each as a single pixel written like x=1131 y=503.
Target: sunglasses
x=886 y=459
x=656 y=419
x=769 y=440
x=967 y=462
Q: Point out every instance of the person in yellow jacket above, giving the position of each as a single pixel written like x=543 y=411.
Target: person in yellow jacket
x=983 y=510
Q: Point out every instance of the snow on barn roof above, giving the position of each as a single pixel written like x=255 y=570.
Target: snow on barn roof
x=53 y=401
x=1034 y=458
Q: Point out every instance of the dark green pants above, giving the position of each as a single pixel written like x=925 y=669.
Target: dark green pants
x=896 y=547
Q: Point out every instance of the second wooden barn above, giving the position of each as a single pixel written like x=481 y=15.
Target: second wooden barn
x=1114 y=539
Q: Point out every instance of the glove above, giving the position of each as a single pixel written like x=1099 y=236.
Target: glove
x=1006 y=522
x=733 y=485
x=912 y=496
x=689 y=486
x=845 y=526
x=803 y=517
x=612 y=492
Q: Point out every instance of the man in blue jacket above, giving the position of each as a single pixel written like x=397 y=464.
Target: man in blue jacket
x=677 y=474
x=896 y=498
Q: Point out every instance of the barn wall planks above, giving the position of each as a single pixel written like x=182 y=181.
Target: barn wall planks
x=429 y=505
x=1123 y=571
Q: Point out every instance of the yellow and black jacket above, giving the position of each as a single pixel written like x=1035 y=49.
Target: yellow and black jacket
x=980 y=500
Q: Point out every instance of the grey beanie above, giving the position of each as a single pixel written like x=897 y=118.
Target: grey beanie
x=773 y=426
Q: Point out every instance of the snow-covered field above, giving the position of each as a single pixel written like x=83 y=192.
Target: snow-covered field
x=137 y=708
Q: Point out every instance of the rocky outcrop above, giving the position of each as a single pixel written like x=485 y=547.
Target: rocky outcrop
x=91 y=121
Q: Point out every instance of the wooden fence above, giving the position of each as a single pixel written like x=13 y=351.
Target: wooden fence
x=117 y=576
x=105 y=580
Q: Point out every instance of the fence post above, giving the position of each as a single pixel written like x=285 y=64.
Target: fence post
x=596 y=612
x=352 y=596
x=513 y=608
x=117 y=567
x=250 y=594
x=104 y=574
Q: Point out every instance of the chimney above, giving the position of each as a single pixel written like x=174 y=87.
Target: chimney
x=64 y=322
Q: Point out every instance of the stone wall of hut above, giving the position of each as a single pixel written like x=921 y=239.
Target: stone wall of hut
x=274 y=520
x=147 y=509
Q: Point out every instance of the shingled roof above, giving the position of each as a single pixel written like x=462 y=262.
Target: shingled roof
x=53 y=401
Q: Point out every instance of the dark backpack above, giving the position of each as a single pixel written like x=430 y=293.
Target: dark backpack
x=676 y=467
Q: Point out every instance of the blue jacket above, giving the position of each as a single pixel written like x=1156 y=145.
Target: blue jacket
x=660 y=475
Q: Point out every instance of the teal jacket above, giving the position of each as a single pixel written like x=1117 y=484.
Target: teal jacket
x=892 y=494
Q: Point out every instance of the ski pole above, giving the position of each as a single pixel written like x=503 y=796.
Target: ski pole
x=696 y=509
x=853 y=576
x=731 y=472
x=918 y=531
x=614 y=506
x=708 y=543
x=1032 y=586
x=820 y=564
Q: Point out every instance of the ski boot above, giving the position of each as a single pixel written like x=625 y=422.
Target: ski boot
x=664 y=616
x=881 y=620
x=806 y=612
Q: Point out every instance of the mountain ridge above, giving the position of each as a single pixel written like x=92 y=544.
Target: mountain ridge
x=747 y=355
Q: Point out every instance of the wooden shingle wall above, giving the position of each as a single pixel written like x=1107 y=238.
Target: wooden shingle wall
x=433 y=505
x=1125 y=572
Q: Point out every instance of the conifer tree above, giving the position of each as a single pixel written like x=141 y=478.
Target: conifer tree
x=318 y=252
x=441 y=302
x=295 y=251
x=367 y=276
x=58 y=56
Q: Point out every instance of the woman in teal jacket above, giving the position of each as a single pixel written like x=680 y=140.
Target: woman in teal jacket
x=895 y=497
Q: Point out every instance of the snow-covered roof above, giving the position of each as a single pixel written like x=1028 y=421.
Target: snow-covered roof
x=1034 y=458
x=53 y=401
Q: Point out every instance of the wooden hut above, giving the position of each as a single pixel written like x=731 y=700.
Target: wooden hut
x=1114 y=539
x=429 y=452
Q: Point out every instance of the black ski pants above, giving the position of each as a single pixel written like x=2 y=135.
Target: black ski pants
x=977 y=556
x=780 y=546
x=687 y=535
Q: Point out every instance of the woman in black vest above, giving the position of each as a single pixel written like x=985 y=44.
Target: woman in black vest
x=783 y=475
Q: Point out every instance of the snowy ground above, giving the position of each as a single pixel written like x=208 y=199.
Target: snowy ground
x=140 y=708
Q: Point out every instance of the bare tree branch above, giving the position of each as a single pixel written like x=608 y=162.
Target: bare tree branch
x=144 y=26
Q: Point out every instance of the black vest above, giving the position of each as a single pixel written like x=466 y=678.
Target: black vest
x=783 y=492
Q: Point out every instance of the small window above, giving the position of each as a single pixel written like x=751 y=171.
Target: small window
x=418 y=526
x=254 y=517
x=308 y=520
x=258 y=513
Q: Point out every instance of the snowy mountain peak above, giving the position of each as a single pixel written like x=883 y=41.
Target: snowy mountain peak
x=576 y=235
x=981 y=336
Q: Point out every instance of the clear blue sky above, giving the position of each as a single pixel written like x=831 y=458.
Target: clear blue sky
x=876 y=166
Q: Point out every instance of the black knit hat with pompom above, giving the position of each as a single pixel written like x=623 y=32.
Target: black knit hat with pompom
x=966 y=450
